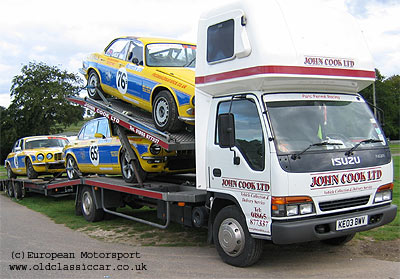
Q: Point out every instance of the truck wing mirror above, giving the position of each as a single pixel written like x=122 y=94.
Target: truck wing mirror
x=226 y=130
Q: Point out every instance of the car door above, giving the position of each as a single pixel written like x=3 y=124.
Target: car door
x=103 y=149
x=135 y=69
x=82 y=147
x=16 y=158
x=243 y=171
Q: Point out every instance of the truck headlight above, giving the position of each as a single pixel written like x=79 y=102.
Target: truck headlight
x=49 y=156
x=384 y=193
x=40 y=157
x=291 y=206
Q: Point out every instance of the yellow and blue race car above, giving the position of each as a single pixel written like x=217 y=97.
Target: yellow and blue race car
x=98 y=150
x=37 y=155
x=154 y=74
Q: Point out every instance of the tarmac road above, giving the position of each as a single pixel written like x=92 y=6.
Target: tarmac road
x=29 y=238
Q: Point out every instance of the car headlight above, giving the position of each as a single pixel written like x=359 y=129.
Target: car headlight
x=40 y=157
x=49 y=156
x=384 y=193
x=291 y=206
x=155 y=149
x=193 y=101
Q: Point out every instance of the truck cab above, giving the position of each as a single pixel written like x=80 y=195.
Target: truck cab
x=286 y=147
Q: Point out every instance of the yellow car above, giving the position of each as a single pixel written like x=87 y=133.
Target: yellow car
x=156 y=75
x=34 y=156
x=98 y=150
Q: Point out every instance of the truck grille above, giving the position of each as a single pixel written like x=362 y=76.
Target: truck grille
x=339 y=204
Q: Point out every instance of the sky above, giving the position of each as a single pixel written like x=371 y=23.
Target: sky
x=63 y=33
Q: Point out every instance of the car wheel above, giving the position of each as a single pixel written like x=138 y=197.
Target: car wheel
x=10 y=173
x=165 y=113
x=128 y=174
x=338 y=241
x=30 y=171
x=94 y=81
x=72 y=168
x=89 y=210
x=233 y=241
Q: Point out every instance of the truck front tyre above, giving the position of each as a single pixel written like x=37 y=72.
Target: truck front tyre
x=94 y=82
x=89 y=210
x=338 y=241
x=30 y=171
x=233 y=241
x=165 y=113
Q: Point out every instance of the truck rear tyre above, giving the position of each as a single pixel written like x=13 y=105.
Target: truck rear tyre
x=232 y=239
x=72 y=168
x=30 y=171
x=89 y=210
x=165 y=113
x=10 y=189
x=94 y=81
x=128 y=174
x=338 y=241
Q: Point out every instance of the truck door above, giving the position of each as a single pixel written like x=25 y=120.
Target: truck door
x=243 y=171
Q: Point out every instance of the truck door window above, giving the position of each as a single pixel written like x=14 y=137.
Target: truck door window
x=249 y=135
x=220 y=41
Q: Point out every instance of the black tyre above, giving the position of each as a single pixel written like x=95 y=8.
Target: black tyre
x=127 y=171
x=339 y=240
x=93 y=81
x=232 y=239
x=17 y=190
x=10 y=189
x=165 y=113
x=30 y=171
x=10 y=173
x=72 y=168
x=89 y=210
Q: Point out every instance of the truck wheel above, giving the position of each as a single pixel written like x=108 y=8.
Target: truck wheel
x=10 y=189
x=30 y=171
x=127 y=171
x=10 y=173
x=89 y=210
x=94 y=81
x=165 y=113
x=17 y=190
x=233 y=241
x=337 y=241
x=72 y=168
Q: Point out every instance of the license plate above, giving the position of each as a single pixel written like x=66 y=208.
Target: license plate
x=349 y=223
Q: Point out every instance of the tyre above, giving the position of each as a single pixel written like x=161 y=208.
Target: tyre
x=338 y=241
x=165 y=113
x=89 y=210
x=128 y=174
x=17 y=190
x=72 y=168
x=94 y=81
x=10 y=189
x=30 y=171
x=10 y=173
x=232 y=239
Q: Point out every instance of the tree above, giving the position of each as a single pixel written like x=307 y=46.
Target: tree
x=38 y=105
x=387 y=91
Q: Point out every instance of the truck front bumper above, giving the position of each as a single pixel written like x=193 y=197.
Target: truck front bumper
x=320 y=228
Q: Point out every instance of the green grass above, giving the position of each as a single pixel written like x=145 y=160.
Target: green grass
x=395 y=148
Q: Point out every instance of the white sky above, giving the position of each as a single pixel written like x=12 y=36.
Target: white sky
x=62 y=33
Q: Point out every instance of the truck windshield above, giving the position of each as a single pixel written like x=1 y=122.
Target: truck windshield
x=170 y=55
x=305 y=124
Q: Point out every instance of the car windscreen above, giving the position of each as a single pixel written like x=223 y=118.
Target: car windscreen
x=170 y=55
x=43 y=143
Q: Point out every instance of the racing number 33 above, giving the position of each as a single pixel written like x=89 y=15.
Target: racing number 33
x=122 y=80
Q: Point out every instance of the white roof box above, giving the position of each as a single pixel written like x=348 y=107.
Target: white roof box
x=281 y=45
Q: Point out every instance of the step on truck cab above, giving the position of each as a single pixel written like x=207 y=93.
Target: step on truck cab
x=286 y=148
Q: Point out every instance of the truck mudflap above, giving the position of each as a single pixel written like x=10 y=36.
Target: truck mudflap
x=288 y=232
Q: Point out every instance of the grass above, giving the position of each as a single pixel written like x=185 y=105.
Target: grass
x=61 y=210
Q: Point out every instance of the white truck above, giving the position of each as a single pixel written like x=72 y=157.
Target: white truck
x=286 y=149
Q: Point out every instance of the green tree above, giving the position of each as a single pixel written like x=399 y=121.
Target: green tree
x=38 y=105
x=387 y=92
